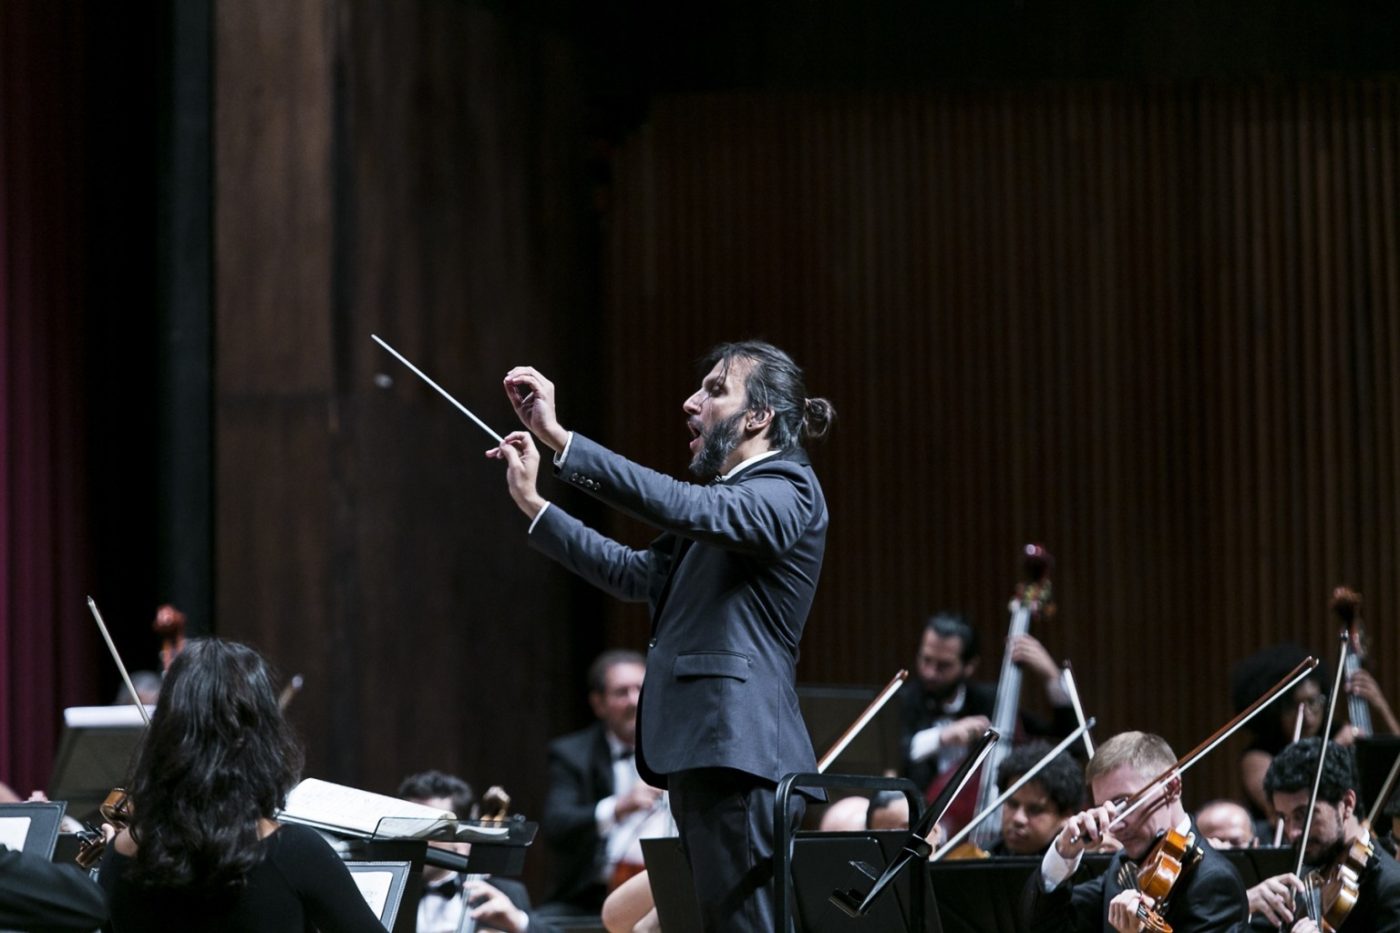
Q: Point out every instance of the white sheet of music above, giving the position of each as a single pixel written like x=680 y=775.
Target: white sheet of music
x=374 y=888
x=14 y=830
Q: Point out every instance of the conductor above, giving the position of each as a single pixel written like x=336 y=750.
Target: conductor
x=728 y=583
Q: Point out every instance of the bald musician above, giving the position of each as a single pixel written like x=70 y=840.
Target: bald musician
x=1209 y=896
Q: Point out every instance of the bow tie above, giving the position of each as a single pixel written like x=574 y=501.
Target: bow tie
x=623 y=755
x=448 y=889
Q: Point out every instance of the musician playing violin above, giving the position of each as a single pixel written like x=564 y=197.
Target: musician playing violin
x=943 y=711
x=1273 y=903
x=1208 y=894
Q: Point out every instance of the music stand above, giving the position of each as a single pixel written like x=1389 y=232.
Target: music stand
x=31 y=827
x=382 y=886
x=826 y=862
x=95 y=754
x=672 y=886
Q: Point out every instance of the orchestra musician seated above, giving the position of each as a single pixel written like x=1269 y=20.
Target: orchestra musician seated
x=1226 y=825
x=497 y=904
x=1033 y=816
x=1208 y=894
x=1335 y=828
x=597 y=805
x=943 y=711
x=37 y=894
x=202 y=851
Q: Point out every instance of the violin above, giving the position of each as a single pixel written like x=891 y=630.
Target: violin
x=1170 y=857
x=1332 y=894
x=116 y=810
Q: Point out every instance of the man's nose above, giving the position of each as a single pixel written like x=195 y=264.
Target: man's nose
x=691 y=406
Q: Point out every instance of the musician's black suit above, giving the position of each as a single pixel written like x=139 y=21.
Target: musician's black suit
x=729 y=583
x=580 y=775
x=36 y=894
x=1211 y=897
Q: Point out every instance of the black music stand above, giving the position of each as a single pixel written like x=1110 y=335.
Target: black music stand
x=916 y=917
x=32 y=826
x=382 y=884
x=95 y=754
x=672 y=886
x=1374 y=756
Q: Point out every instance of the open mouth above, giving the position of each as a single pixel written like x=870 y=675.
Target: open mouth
x=697 y=438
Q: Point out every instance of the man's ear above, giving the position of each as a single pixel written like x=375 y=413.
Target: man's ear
x=758 y=421
x=970 y=668
x=598 y=703
x=1348 y=802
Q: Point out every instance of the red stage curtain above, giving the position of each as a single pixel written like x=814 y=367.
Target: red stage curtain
x=49 y=647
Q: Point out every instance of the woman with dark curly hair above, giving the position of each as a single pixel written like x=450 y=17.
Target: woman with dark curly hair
x=203 y=852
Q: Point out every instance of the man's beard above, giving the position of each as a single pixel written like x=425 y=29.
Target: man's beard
x=720 y=442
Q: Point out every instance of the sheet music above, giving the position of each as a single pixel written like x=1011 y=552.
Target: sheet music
x=374 y=888
x=337 y=806
x=14 y=830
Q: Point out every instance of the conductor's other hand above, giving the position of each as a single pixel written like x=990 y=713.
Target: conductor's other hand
x=522 y=470
x=532 y=397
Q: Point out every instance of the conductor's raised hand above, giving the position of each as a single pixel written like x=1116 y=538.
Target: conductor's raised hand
x=522 y=470
x=532 y=397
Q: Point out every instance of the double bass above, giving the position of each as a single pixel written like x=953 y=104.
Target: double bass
x=1032 y=600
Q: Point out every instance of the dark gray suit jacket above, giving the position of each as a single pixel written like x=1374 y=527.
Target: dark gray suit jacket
x=729 y=584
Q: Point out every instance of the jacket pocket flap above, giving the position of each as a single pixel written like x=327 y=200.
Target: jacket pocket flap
x=712 y=664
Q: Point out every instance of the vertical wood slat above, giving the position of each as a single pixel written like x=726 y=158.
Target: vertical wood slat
x=1155 y=328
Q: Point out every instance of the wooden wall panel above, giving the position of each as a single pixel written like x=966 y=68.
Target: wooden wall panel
x=1152 y=326
x=412 y=170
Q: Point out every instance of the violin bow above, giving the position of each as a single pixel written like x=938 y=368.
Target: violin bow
x=1005 y=795
x=1067 y=681
x=111 y=646
x=862 y=720
x=1185 y=763
x=1345 y=645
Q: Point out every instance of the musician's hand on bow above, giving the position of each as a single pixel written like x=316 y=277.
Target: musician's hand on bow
x=1123 y=912
x=1085 y=830
x=532 y=397
x=1272 y=898
x=522 y=470
x=1027 y=651
x=961 y=733
x=1306 y=925
x=491 y=908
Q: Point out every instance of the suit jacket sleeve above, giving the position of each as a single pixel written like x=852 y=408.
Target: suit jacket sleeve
x=763 y=516
x=36 y=894
x=621 y=571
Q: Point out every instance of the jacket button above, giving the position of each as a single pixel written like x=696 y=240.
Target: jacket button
x=652 y=643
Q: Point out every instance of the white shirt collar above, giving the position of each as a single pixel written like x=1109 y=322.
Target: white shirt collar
x=749 y=462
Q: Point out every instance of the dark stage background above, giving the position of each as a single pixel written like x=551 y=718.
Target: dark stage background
x=1121 y=277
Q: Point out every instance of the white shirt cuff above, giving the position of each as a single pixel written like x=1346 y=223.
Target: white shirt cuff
x=536 y=520
x=926 y=743
x=1055 y=868
x=563 y=455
